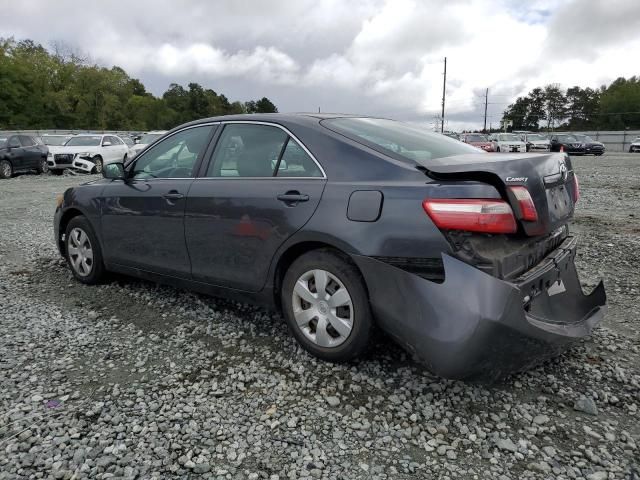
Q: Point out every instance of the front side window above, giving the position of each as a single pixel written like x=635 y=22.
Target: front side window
x=175 y=156
x=247 y=150
x=398 y=140
x=26 y=141
x=14 y=142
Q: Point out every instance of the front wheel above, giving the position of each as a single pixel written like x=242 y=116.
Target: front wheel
x=6 y=169
x=326 y=306
x=97 y=160
x=43 y=166
x=83 y=252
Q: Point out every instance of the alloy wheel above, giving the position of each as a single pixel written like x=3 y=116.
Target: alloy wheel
x=44 y=166
x=322 y=308
x=6 y=169
x=98 y=165
x=80 y=252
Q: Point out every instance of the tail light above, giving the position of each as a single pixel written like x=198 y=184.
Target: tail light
x=527 y=207
x=473 y=215
x=576 y=188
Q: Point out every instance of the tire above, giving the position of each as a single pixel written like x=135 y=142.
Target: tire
x=6 y=169
x=352 y=315
x=87 y=264
x=497 y=149
x=56 y=171
x=98 y=167
x=43 y=166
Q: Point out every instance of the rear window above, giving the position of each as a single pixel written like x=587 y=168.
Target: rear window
x=398 y=140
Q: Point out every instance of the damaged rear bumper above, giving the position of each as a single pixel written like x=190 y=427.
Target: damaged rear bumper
x=474 y=325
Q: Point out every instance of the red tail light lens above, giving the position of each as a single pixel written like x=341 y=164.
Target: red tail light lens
x=472 y=215
x=527 y=207
x=576 y=188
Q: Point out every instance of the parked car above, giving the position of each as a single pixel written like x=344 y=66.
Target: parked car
x=128 y=141
x=147 y=139
x=478 y=140
x=569 y=144
x=21 y=153
x=453 y=135
x=88 y=153
x=536 y=142
x=635 y=145
x=343 y=222
x=591 y=146
x=506 y=142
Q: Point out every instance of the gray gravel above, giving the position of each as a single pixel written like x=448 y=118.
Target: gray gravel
x=133 y=380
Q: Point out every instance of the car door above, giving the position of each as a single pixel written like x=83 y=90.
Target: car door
x=121 y=148
x=29 y=151
x=143 y=216
x=17 y=154
x=259 y=188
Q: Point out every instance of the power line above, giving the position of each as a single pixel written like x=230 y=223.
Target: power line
x=444 y=93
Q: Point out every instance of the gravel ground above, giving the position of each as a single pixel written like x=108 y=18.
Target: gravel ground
x=134 y=380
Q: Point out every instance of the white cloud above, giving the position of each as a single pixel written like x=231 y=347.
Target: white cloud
x=371 y=56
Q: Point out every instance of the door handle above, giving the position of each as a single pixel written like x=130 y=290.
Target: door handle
x=173 y=195
x=293 y=197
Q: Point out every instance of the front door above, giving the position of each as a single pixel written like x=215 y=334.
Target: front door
x=260 y=187
x=143 y=216
x=18 y=154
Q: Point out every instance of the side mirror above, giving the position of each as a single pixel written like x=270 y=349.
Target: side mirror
x=114 y=171
x=106 y=144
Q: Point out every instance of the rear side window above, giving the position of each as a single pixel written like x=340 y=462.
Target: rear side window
x=398 y=140
x=295 y=162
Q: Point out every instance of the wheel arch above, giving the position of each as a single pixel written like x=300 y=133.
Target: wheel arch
x=295 y=250
x=69 y=214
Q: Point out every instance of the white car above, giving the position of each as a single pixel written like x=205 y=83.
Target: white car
x=130 y=145
x=507 y=142
x=536 y=142
x=147 y=139
x=635 y=145
x=88 y=153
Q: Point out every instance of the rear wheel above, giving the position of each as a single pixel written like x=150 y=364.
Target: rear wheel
x=98 y=164
x=6 y=169
x=497 y=149
x=83 y=252
x=326 y=306
x=43 y=166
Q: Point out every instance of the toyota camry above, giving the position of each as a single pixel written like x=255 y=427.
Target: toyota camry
x=346 y=224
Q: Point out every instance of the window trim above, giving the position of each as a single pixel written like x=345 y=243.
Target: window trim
x=197 y=166
x=272 y=177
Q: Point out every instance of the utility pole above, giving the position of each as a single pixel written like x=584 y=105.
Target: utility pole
x=444 y=93
x=486 y=100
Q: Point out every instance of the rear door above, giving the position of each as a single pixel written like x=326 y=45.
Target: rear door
x=17 y=153
x=143 y=216
x=260 y=187
x=31 y=150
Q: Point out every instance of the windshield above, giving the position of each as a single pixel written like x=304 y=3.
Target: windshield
x=148 y=138
x=3 y=141
x=84 y=141
x=536 y=137
x=584 y=138
x=54 y=141
x=508 y=137
x=567 y=138
x=398 y=140
x=476 y=138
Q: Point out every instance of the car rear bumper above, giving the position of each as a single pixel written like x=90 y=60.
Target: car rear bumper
x=474 y=325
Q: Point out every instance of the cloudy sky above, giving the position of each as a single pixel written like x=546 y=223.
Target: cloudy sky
x=378 y=57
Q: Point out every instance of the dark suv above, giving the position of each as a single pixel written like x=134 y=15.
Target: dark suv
x=21 y=153
x=567 y=143
x=591 y=146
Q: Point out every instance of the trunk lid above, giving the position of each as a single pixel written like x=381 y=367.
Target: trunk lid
x=548 y=177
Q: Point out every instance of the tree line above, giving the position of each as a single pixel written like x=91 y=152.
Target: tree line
x=42 y=89
x=612 y=107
